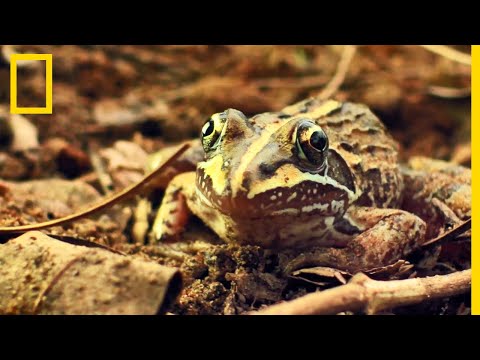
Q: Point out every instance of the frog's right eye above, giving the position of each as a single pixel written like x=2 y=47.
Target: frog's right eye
x=311 y=143
x=212 y=130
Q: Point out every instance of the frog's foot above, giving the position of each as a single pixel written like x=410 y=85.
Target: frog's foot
x=173 y=213
x=434 y=186
x=389 y=235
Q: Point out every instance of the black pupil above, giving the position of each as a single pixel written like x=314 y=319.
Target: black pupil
x=318 y=140
x=209 y=129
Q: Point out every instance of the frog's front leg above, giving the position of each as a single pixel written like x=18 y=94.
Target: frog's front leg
x=173 y=214
x=431 y=185
x=187 y=162
x=386 y=235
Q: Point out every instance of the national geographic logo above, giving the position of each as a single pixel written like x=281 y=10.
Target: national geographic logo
x=14 y=109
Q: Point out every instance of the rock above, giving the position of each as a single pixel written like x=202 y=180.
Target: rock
x=16 y=132
x=128 y=110
x=6 y=133
x=125 y=162
x=25 y=134
x=71 y=161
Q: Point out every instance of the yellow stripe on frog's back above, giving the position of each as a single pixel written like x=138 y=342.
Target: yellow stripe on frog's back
x=253 y=150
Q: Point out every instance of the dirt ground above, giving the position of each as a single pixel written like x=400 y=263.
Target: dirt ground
x=114 y=105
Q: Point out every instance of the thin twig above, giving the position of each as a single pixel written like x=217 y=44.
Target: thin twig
x=340 y=74
x=8 y=50
x=449 y=53
x=449 y=92
x=372 y=296
x=451 y=234
x=129 y=191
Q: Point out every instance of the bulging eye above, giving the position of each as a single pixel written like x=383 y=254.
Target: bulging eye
x=312 y=143
x=212 y=130
x=208 y=128
x=319 y=140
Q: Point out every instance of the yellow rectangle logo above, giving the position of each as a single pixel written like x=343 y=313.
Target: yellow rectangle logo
x=14 y=109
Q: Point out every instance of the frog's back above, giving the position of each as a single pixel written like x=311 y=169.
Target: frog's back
x=362 y=140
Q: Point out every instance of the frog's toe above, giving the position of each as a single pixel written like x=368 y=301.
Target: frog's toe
x=169 y=224
x=164 y=233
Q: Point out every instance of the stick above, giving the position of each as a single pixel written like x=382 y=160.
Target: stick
x=129 y=191
x=449 y=93
x=339 y=77
x=449 y=53
x=372 y=296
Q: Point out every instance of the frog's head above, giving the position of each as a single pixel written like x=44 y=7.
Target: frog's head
x=271 y=164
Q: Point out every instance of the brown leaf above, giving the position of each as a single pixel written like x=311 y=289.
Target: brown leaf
x=321 y=276
x=42 y=275
x=399 y=270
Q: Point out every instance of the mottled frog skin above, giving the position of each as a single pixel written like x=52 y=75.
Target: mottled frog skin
x=321 y=177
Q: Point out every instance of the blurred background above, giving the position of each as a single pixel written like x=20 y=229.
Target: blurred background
x=152 y=95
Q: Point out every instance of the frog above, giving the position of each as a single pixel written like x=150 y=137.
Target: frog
x=322 y=178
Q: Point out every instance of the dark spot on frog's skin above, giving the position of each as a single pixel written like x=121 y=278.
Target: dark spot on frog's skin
x=373 y=130
x=338 y=169
x=267 y=170
x=246 y=181
x=346 y=146
x=336 y=110
x=373 y=175
x=344 y=226
x=338 y=121
x=364 y=199
x=309 y=103
x=235 y=132
x=446 y=192
x=304 y=110
x=284 y=116
x=371 y=149
x=357 y=167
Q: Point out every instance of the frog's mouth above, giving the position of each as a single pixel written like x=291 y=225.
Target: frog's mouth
x=305 y=197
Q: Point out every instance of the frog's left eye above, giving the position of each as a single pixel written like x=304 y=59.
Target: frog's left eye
x=212 y=130
x=312 y=143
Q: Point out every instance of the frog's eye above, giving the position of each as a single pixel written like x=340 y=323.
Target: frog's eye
x=212 y=130
x=311 y=143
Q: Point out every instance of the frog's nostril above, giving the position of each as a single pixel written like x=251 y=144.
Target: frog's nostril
x=247 y=180
x=268 y=169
